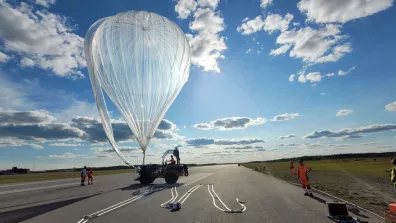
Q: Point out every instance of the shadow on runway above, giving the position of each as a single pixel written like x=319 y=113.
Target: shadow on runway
x=320 y=200
x=31 y=212
x=356 y=212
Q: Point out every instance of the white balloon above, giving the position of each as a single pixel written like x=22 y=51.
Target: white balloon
x=141 y=60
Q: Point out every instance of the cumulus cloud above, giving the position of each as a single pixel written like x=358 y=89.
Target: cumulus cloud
x=62 y=144
x=4 y=57
x=391 y=106
x=207 y=45
x=45 y=38
x=344 y=112
x=330 y=75
x=15 y=142
x=315 y=45
x=285 y=117
x=275 y=22
x=311 y=77
x=209 y=3
x=291 y=78
x=45 y=3
x=40 y=126
x=111 y=150
x=265 y=3
x=272 y=23
x=24 y=117
x=249 y=50
x=93 y=129
x=281 y=50
x=324 y=11
x=67 y=155
x=243 y=147
x=230 y=123
x=342 y=73
x=350 y=131
x=27 y=62
x=287 y=136
x=210 y=141
x=185 y=8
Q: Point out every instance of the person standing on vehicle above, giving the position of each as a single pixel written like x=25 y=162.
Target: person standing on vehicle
x=83 y=175
x=302 y=175
x=90 y=176
x=176 y=154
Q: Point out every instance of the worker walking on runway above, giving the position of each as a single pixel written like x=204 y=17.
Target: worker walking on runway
x=90 y=176
x=302 y=175
x=83 y=175
x=292 y=170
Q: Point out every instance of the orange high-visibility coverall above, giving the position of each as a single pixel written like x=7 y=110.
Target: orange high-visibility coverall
x=303 y=177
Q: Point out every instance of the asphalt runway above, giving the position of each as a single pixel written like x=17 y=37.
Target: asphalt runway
x=266 y=199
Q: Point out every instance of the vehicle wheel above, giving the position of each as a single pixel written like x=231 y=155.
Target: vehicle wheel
x=145 y=179
x=171 y=178
x=186 y=173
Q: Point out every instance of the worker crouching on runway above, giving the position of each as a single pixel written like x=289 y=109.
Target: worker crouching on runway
x=83 y=175
x=90 y=176
x=292 y=170
x=302 y=175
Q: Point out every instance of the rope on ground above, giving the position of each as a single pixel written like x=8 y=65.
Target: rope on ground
x=174 y=197
x=116 y=206
x=228 y=210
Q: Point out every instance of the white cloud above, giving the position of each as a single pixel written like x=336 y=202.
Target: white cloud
x=65 y=156
x=36 y=146
x=315 y=45
x=272 y=22
x=251 y=26
x=265 y=3
x=291 y=78
x=230 y=123
x=76 y=108
x=45 y=3
x=344 y=112
x=330 y=75
x=249 y=50
x=350 y=131
x=281 y=50
x=325 y=11
x=62 y=144
x=43 y=37
x=207 y=45
x=287 y=136
x=275 y=22
x=311 y=77
x=285 y=117
x=4 y=57
x=210 y=141
x=391 y=106
x=342 y=73
x=27 y=62
x=185 y=8
x=209 y=3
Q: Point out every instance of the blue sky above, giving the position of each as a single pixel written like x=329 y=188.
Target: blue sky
x=320 y=73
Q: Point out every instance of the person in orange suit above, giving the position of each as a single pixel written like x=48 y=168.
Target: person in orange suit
x=172 y=160
x=292 y=170
x=90 y=176
x=302 y=175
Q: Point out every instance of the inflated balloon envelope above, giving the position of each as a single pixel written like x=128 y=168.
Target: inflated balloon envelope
x=141 y=60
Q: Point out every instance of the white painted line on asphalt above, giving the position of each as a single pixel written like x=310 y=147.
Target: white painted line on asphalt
x=189 y=183
x=38 y=188
x=38 y=182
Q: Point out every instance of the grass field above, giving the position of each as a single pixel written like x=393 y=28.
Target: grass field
x=360 y=181
x=5 y=179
